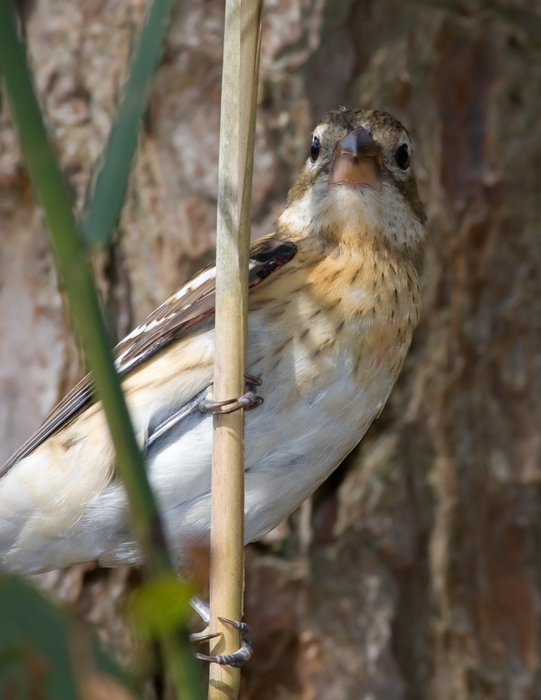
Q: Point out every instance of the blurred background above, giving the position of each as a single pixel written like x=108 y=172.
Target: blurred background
x=414 y=573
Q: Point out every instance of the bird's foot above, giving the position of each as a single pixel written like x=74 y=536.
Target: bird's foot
x=247 y=401
x=238 y=658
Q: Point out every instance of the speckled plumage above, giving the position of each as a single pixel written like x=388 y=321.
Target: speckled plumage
x=328 y=332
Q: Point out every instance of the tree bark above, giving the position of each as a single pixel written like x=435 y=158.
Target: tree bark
x=415 y=574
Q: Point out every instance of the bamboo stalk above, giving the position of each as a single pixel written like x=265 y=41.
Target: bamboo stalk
x=237 y=126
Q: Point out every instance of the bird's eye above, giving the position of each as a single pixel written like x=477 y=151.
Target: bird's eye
x=314 y=149
x=402 y=156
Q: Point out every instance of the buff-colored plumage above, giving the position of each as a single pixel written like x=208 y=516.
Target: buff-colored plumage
x=328 y=334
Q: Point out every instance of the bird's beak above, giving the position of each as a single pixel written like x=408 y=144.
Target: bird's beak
x=357 y=161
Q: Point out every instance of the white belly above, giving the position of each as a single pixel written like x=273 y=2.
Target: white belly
x=289 y=452
x=311 y=418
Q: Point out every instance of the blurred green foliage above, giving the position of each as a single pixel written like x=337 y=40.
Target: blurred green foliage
x=161 y=605
x=40 y=653
x=103 y=207
x=44 y=654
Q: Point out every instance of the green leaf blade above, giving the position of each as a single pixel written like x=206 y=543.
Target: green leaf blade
x=103 y=210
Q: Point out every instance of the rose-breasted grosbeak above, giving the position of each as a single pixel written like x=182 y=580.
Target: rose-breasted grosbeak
x=334 y=299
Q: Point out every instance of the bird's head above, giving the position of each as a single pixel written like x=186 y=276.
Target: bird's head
x=358 y=182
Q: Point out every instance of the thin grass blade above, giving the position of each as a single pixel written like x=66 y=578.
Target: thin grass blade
x=73 y=263
x=104 y=206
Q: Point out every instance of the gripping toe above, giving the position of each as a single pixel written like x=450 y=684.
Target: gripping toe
x=237 y=659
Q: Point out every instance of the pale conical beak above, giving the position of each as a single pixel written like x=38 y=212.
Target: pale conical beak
x=357 y=161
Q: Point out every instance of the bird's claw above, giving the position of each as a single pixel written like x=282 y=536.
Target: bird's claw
x=241 y=626
x=239 y=657
x=256 y=381
x=247 y=401
x=203 y=636
x=237 y=660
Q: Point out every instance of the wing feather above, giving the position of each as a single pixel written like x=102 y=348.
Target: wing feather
x=188 y=307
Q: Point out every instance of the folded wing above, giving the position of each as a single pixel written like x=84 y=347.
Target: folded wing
x=192 y=304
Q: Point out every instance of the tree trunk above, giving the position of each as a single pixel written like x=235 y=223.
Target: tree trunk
x=414 y=573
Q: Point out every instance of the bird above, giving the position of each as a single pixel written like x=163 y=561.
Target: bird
x=334 y=298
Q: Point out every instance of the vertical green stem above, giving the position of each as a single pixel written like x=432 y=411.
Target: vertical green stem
x=72 y=258
x=75 y=270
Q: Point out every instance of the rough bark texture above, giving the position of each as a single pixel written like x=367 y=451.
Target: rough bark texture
x=415 y=571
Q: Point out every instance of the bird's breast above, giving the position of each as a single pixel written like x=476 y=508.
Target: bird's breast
x=339 y=324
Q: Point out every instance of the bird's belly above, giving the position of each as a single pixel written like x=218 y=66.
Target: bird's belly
x=293 y=441
x=289 y=453
x=291 y=447
x=319 y=402
x=316 y=410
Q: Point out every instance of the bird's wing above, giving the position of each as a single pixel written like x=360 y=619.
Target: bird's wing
x=191 y=305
